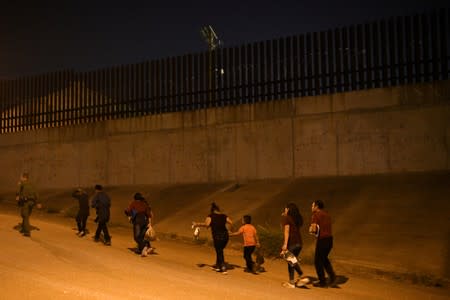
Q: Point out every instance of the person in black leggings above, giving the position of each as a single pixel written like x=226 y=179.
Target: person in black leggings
x=218 y=222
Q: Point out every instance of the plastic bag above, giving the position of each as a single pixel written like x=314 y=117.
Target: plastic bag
x=150 y=234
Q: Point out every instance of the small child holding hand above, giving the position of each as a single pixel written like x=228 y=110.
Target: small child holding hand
x=251 y=241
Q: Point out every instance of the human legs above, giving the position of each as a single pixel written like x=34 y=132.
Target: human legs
x=248 y=251
x=101 y=227
x=327 y=264
x=25 y=212
x=294 y=268
x=219 y=245
x=78 y=220
x=106 y=234
x=321 y=261
x=139 y=233
x=97 y=232
x=83 y=222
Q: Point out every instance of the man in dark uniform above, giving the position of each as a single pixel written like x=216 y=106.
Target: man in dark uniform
x=83 y=211
x=102 y=203
x=26 y=198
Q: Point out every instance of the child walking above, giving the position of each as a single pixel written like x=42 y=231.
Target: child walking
x=251 y=241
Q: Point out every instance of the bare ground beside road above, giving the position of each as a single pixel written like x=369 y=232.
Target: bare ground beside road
x=56 y=264
x=392 y=240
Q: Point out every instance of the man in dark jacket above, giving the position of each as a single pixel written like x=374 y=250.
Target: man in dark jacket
x=140 y=215
x=83 y=211
x=102 y=203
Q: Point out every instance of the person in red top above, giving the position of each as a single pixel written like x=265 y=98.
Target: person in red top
x=321 y=228
x=291 y=221
x=251 y=241
x=140 y=215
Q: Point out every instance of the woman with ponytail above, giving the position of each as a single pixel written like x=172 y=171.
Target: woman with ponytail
x=218 y=222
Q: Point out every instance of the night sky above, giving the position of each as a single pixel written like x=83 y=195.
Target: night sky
x=45 y=36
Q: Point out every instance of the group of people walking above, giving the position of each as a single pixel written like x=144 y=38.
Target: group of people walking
x=138 y=211
x=320 y=227
x=291 y=222
x=102 y=203
x=140 y=215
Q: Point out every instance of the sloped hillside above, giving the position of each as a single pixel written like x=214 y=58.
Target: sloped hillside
x=395 y=223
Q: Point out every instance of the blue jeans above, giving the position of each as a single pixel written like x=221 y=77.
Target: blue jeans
x=139 y=230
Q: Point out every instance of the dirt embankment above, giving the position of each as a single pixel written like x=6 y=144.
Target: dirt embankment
x=396 y=225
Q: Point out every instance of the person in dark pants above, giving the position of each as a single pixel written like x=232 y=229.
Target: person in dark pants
x=141 y=215
x=83 y=211
x=218 y=223
x=102 y=203
x=26 y=198
x=321 y=228
x=291 y=222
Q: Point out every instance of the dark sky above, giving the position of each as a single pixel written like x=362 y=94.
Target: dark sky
x=45 y=36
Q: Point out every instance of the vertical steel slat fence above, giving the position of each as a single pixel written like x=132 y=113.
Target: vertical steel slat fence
x=391 y=52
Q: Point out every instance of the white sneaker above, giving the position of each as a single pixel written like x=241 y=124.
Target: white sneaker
x=144 y=251
x=302 y=281
x=288 y=285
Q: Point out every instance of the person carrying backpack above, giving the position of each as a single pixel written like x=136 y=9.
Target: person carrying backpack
x=141 y=215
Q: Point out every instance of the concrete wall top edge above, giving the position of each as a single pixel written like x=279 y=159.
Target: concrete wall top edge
x=381 y=98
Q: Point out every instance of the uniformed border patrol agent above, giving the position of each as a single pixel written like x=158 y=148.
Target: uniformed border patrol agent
x=26 y=198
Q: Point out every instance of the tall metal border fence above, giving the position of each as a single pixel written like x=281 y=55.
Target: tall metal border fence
x=389 y=52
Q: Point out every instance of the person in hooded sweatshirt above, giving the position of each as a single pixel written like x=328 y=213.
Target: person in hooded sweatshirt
x=140 y=214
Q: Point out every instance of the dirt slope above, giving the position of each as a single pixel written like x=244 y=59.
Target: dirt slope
x=55 y=264
x=380 y=223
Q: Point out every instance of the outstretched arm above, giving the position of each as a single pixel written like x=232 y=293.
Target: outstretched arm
x=202 y=224
x=234 y=233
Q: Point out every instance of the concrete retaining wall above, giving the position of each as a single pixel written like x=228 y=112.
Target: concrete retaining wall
x=389 y=130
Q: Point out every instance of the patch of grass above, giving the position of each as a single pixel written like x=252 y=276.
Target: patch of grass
x=415 y=278
x=270 y=240
x=407 y=277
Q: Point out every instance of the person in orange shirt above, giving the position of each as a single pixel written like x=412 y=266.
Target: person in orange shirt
x=251 y=241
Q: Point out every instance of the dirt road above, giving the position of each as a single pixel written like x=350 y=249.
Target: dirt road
x=56 y=264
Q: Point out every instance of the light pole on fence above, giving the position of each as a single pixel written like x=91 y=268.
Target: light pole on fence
x=211 y=38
